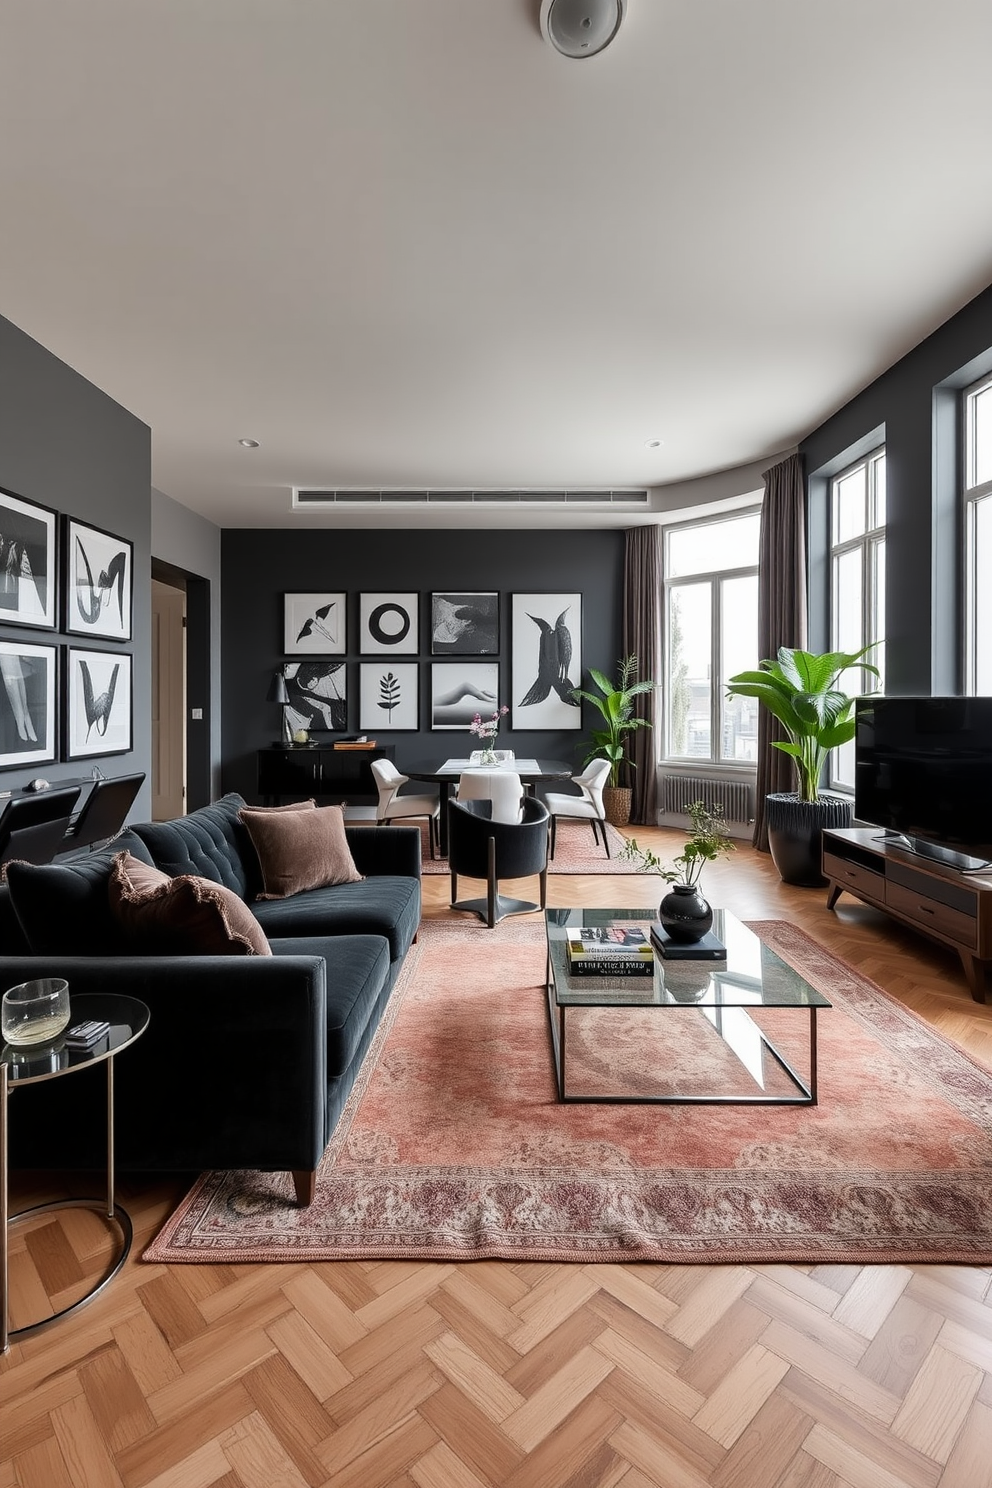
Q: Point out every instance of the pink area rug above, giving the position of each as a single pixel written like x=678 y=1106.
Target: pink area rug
x=453 y=1145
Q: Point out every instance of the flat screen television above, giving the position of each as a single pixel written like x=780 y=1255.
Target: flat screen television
x=923 y=773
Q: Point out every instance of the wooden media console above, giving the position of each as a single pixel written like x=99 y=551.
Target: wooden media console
x=944 y=903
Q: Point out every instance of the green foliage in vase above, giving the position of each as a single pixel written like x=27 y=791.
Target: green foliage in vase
x=708 y=839
x=800 y=689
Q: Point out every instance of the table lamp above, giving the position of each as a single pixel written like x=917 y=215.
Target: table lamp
x=279 y=693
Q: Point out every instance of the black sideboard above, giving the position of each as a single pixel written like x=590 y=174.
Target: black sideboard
x=322 y=771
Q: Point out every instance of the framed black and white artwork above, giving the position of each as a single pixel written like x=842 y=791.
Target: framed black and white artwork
x=388 y=696
x=314 y=624
x=464 y=624
x=98 y=583
x=27 y=703
x=388 y=624
x=460 y=689
x=27 y=563
x=547 y=661
x=98 y=702
x=318 y=694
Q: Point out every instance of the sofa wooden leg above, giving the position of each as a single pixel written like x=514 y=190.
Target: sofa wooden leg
x=305 y=1183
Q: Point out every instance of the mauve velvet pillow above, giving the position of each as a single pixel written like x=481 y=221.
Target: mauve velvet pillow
x=183 y=916
x=300 y=849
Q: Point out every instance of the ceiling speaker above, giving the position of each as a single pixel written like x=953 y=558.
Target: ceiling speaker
x=581 y=28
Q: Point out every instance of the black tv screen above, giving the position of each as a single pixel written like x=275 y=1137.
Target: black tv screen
x=923 y=769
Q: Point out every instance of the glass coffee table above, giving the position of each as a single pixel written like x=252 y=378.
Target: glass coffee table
x=701 y=1033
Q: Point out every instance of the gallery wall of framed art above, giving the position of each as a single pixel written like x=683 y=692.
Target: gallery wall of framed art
x=63 y=701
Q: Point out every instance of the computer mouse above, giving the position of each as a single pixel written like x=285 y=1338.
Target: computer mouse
x=37 y=785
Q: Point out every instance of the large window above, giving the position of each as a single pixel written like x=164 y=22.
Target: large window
x=978 y=538
x=857 y=583
x=711 y=594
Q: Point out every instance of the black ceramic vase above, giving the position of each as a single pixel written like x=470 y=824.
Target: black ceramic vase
x=684 y=913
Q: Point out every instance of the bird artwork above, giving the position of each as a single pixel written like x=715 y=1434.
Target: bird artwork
x=97 y=706
x=554 y=657
x=319 y=624
x=92 y=598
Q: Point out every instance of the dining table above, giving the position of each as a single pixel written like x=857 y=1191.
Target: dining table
x=446 y=775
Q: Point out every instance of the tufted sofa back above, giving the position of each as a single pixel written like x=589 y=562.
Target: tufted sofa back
x=210 y=843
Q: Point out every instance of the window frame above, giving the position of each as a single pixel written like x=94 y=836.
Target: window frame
x=870 y=544
x=715 y=578
x=973 y=495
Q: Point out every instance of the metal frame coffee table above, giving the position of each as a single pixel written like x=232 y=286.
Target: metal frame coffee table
x=717 y=993
x=128 y=1019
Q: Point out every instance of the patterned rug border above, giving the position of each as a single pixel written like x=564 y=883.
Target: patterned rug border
x=689 y=1214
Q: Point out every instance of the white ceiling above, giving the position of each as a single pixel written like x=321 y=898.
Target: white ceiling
x=404 y=243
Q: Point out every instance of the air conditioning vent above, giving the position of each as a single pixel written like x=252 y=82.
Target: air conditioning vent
x=309 y=499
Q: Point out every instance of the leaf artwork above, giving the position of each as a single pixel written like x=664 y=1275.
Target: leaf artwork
x=389 y=692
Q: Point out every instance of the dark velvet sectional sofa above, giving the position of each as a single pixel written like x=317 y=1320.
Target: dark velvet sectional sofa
x=248 y=1059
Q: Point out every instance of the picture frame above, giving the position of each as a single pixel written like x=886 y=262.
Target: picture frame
x=28 y=590
x=388 y=696
x=315 y=624
x=388 y=624
x=459 y=690
x=318 y=694
x=28 y=707
x=465 y=624
x=98 y=702
x=99 y=582
x=546 y=660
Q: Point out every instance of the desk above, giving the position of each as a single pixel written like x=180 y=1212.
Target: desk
x=447 y=772
x=128 y=1019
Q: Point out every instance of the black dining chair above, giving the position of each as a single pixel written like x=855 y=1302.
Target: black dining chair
x=479 y=847
x=104 y=811
x=33 y=827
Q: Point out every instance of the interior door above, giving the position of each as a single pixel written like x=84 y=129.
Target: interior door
x=168 y=701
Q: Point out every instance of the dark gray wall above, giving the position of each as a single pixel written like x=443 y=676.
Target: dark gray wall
x=913 y=408
x=258 y=567
x=67 y=446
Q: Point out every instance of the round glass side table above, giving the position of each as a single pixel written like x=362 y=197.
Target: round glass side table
x=128 y=1019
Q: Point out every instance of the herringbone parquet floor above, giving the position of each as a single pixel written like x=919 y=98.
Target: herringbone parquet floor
x=514 y=1376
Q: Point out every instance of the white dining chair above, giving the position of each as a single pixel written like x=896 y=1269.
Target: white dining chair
x=503 y=787
x=587 y=806
x=394 y=806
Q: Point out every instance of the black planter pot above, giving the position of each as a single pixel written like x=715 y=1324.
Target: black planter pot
x=795 y=830
x=684 y=913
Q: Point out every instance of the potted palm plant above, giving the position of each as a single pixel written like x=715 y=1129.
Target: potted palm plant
x=615 y=703
x=800 y=689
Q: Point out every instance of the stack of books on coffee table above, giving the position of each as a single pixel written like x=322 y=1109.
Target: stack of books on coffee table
x=615 y=950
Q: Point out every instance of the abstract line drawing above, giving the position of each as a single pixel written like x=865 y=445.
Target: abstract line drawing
x=98 y=599
x=314 y=623
x=27 y=703
x=98 y=703
x=547 y=661
x=388 y=694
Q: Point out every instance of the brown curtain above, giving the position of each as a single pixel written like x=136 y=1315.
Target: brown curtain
x=781 y=614
x=642 y=597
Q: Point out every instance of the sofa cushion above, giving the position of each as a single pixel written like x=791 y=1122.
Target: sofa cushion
x=300 y=850
x=357 y=970
x=63 y=908
x=180 y=916
x=383 y=904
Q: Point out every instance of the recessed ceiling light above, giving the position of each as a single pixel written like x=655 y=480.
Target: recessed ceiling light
x=653 y=443
x=248 y=443
x=581 y=28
